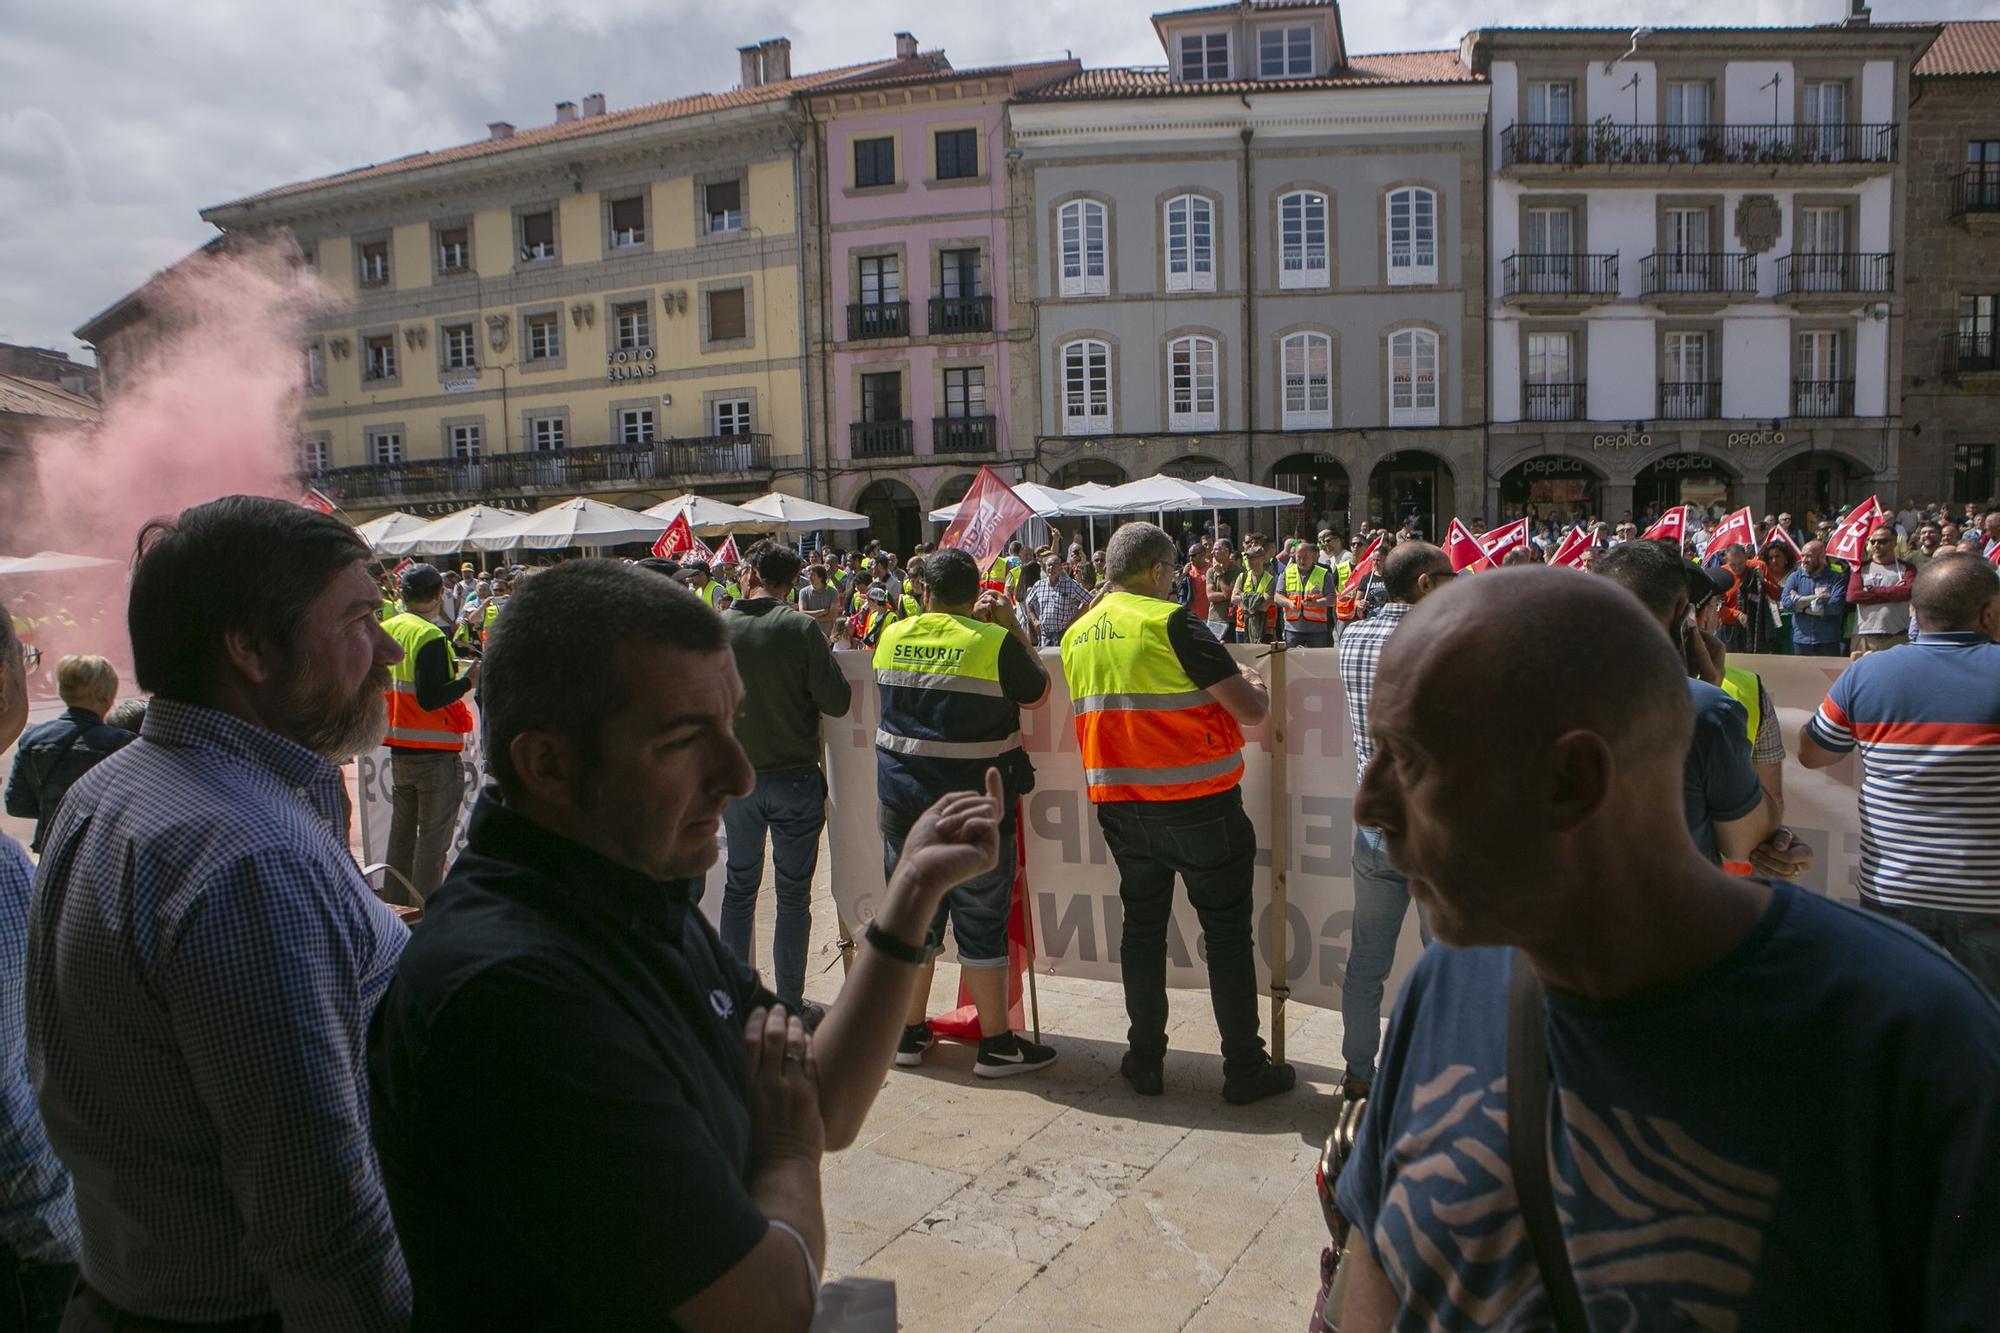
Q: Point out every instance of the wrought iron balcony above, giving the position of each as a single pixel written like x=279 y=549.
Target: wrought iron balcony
x=1552 y=402
x=963 y=435
x=1836 y=274
x=1559 y=275
x=883 y=319
x=880 y=439
x=1603 y=143
x=1976 y=190
x=1690 y=400
x=1968 y=354
x=1672 y=273
x=1822 y=398
x=961 y=314
x=600 y=467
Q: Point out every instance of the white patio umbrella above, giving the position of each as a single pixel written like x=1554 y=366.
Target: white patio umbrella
x=1046 y=501
x=466 y=530
x=50 y=562
x=578 y=522
x=395 y=523
x=711 y=518
x=791 y=513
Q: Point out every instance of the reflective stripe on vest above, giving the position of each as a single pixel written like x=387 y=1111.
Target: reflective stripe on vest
x=1313 y=582
x=1146 y=732
x=1743 y=686
x=946 y=749
x=411 y=725
x=1261 y=585
x=941 y=698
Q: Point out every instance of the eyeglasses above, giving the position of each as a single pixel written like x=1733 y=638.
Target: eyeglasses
x=31 y=657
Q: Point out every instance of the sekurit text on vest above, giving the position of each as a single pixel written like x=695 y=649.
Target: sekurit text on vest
x=930 y=654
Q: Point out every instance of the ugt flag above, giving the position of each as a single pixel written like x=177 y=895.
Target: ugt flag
x=988 y=516
x=1851 y=537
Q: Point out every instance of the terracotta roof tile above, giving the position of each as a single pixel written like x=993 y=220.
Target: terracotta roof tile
x=32 y=398
x=1384 y=70
x=584 y=127
x=941 y=71
x=1254 y=4
x=1963 y=48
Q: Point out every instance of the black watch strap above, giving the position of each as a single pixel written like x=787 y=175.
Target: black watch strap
x=897 y=949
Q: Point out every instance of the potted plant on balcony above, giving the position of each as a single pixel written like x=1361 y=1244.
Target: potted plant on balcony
x=1604 y=143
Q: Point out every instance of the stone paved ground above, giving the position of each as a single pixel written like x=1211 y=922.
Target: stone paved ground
x=1062 y=1201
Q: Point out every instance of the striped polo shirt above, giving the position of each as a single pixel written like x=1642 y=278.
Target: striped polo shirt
x=1926 y=717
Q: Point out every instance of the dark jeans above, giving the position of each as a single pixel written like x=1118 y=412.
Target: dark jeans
x=978 y=909
x=1318 y=636
x=1972 y=938
x=89 y=1312
x=789 y=804
x=1211 y=844
x=32 y=1295
x=1831 y=648
x=426 y=788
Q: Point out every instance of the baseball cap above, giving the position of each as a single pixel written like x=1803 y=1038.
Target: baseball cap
x=422 y=582
x=877 y=593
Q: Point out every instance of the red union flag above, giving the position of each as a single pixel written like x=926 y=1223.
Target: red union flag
x=1671 y=527
x=317 y=500
x=1738 y=527
x=1570 y=550
x=401 y=565
x=726 y=553
x=989 y=514
x=1778 y=534
x=1851 y=536
x=1366 y=564
x=1497 y=543
x=1463 y=548
x=679 y=540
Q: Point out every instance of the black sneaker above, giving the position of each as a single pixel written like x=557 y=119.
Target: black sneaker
x=1009 y=1054
x=1267 y=1080
x=1146 y=1077
x=916 y=1040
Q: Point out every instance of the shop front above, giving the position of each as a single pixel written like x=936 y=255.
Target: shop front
x=1322 y=480
x=1551 y=486
x=1683 y=479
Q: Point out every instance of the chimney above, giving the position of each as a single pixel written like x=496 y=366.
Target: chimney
x=753 y=65
x=906 y=46
x=1858 y=15
x=777 y=59
x=500 y=129
x=593 y=105
x=565 y=112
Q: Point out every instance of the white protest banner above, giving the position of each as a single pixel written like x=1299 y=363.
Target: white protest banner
x=1073 y=883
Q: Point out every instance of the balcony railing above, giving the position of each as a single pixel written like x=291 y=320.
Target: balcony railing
x=883 y=319
x=1559 y=275
x=1690 y=400
x=1806 y=274
x=1552 y=402
x=961 y=314
x=963 y=435
x=597 y=467
x=880 y=439
x=1976 y=190
x=1605 y=144
x=1968 y=354
x=1822 y=398
x=1698 y=274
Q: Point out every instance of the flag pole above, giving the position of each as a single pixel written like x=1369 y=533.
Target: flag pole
x=1028 y=930
x=1281 y=837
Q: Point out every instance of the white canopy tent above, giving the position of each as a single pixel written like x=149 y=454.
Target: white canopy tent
x=711 y=518
x=794 y=514
x=1046 y=501
x=395 y=523
x=467 y=530
x=578 y=522
x=1164 y=495
x=50 y=562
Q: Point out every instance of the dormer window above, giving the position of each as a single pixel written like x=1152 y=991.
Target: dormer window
x=1285 y=53
x=1205 y=57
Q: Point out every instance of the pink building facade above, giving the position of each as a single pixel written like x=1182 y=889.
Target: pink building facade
x=920 y=327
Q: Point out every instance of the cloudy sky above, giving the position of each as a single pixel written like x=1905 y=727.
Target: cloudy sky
x=119 y=119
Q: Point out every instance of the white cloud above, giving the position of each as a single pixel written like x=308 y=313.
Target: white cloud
x=120 y=119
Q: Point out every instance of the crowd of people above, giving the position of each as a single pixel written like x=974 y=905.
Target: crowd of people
x=240 y=1092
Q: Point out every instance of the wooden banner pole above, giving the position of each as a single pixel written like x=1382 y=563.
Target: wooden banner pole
x=1281 y=850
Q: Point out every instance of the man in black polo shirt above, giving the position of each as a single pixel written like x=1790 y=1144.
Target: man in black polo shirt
x=589 y=1114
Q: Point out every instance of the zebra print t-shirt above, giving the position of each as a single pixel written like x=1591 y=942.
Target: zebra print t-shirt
x=1802 y=1135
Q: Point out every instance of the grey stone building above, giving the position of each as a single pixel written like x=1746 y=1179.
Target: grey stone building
x=1264 y=260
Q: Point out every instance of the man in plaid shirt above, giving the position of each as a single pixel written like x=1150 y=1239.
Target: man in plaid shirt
x=1054 y=602
x=1381 y=894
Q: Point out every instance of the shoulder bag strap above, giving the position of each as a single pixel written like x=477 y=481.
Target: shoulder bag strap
x=1528 y=1144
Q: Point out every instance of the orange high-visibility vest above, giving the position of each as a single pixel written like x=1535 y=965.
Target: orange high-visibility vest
x=412 y=727
x=1294 y=586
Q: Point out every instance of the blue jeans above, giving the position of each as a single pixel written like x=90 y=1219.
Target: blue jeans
x=1318 y=636
x=978 y=909
x=1831 y=648
x=1971 y=938
x=789 y=804
x=1381 y=898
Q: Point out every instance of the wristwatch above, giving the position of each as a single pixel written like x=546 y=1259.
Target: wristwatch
x=900 y=950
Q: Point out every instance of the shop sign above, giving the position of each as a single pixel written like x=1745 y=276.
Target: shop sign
x=459 y=383
x=1755 y=439
x=439 y=508
x=1623 y=440
x=636 y=365
x=1554 y=467
x=1684 y=463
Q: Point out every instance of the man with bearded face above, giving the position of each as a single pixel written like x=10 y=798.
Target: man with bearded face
x=204 y=955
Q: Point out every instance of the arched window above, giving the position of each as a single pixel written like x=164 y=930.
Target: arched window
x=1086 y=387
x=1302 y=240
x=1413 y=235
x=1085 y=269
x=1307 y=370
x=1413 y=378
x=1190 y=230
x=1191 y=384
